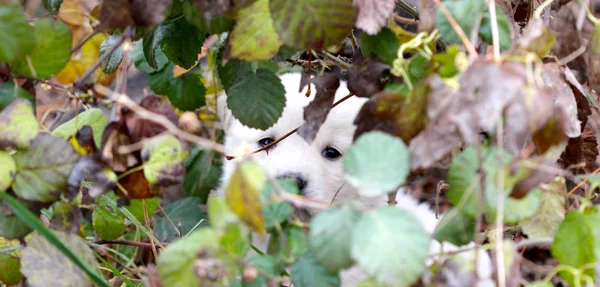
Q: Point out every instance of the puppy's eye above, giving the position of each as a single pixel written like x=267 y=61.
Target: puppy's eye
x=265 y=142
x=331 y=153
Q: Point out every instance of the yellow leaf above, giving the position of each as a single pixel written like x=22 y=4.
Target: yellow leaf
x=242 y=194
x=72 y=70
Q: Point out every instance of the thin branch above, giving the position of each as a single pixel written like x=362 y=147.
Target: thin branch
x=500 y=207
x=495 y=44
x=410 y=9
x=159 y=119
x=404 y=20
x=60 y=113
x=80 y=44
x=534 y=242
x=459 y=31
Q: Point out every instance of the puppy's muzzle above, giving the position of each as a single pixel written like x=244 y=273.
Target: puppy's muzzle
x=300 y=181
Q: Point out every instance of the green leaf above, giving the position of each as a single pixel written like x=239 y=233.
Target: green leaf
x=455 y=227
x=163 y=160
x=255 y=98
x=464 y=184
x=545 y=222
x=266 y=263
x=485 y=30
x=17 y=35
x=176 y=262
x=377 y=163
x=43 y=170
x=51 y=53
x=114 y=60
x=107 y=224
x=11 y=226
x=52 y=5
x=180 y=41
x=7 y=173
x=179 y=219
x=44 y=265
x=576 y=243
x=219 y=213
x=217 y=25
x=53 y=239
x=330 y=238
x=18 y=125
x=242 y=194
x=253 y=36
x=136 y=207
x=150 y=45
x=141 y=57
x=517 y=210
x=384 y=45
x=185 y=92
x=464 y=12
x=9 y=92
x=202 y=172
x=446 y=62
x=306 y=272
x=92 y=117
x=290 y=244
x=277 y=212
x=10 y=267
x=312 y=24
x=235 y=239
x=379 y=235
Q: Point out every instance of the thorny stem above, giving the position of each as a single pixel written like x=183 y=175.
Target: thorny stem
x=459 y=31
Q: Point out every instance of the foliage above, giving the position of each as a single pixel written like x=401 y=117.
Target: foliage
x=486 y=108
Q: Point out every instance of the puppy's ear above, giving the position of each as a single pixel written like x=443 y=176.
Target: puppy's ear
x=223 y=113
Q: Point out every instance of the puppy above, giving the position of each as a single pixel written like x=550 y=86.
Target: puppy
x=317 y=167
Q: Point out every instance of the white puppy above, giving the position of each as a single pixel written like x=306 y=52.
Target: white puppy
x=317 y=167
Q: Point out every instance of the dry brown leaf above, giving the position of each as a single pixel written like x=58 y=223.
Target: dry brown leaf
x=316 y=112
x=373 y=14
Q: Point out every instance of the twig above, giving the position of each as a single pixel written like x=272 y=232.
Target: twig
x=60 y=113
x=410 y=9
x=127 y=34
x=459 y=31
x=581 y=183
x=573 y=55
x=496 y=48
x=127 y=242
x=534 y=242
x=159 y=119
x=404 y=20
x=147 y=222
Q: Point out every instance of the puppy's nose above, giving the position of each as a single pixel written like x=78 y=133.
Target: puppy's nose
x=300 y=182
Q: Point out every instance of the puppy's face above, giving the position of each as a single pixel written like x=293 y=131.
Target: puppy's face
x=316 y=167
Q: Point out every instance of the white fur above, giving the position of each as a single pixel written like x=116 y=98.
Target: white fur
x=324 y=177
